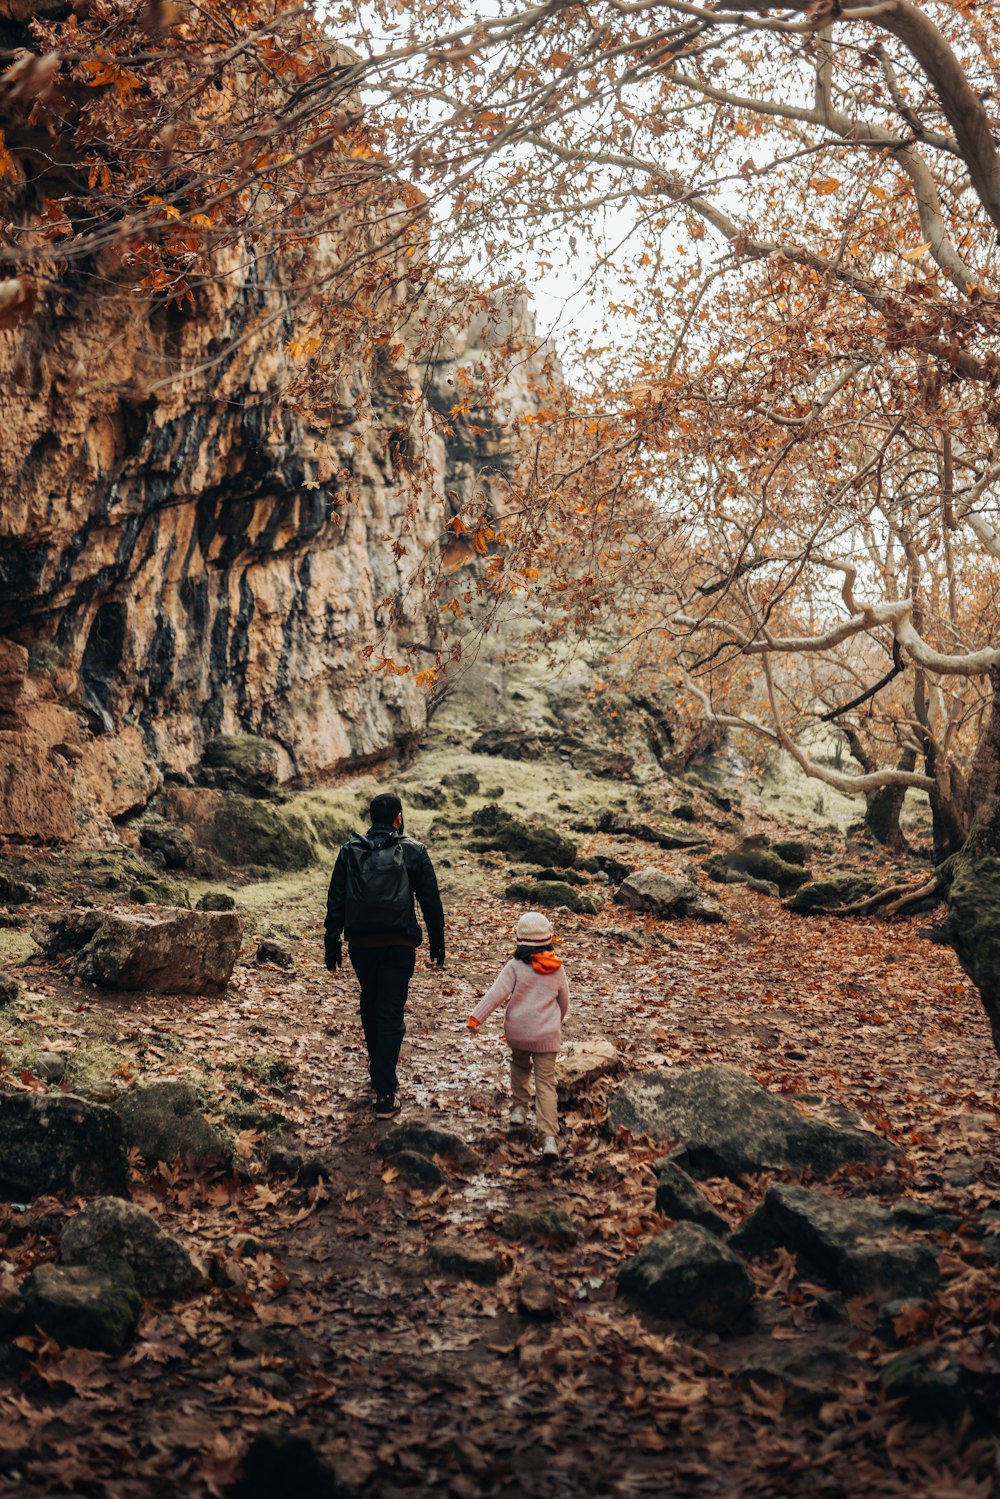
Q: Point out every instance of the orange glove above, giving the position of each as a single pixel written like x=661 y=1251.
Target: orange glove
x=472 y=1023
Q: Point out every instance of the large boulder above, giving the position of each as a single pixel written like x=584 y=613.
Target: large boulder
x=646 y=832
x=109 y=1229
x=851 y=1243
x=725 y=1124
x=83 y=1307
x=53 y=1142
x=828 y=895
x=762 y=864
x=242 y=830
x=667 y=892
x=241 y=760
x=164 y=1121
x=552 y=893
x=531 y=842
x=184 y=952
x=686 y=1273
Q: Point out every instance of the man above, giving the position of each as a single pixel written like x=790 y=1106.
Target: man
x=371 y=898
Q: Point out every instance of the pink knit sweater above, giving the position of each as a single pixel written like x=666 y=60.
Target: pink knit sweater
x=537 y=1004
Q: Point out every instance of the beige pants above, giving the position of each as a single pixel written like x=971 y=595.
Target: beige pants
x=545 y=1086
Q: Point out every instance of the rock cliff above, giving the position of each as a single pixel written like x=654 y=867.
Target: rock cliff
x=185 y=552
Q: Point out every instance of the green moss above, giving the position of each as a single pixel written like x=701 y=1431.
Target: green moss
x=533 y=842
x=243 y=758
x=762 y=864
x=161 y=893
x=270 y=1071
x=552 y=893
x=792 y=850
x=16 y=946
x=974 y=927
x=827 y=895
x=258 y=833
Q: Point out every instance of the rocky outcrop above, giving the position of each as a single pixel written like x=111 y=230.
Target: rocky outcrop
x=186 y=552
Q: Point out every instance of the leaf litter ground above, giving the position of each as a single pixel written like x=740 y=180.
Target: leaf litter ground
x=321 y=1313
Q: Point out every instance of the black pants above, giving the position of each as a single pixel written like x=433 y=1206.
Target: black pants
x=384 y=974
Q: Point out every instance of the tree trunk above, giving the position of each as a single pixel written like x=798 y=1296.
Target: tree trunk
x=884 y=807
x=974 y=895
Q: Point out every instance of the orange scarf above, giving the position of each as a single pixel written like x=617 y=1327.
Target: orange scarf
x=546 y=962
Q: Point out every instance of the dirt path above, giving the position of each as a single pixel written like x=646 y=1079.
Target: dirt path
x=409 y=1380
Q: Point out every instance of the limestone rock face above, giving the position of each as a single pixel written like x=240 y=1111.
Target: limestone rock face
x=185 y=560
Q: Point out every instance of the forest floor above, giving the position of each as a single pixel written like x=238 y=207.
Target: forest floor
x=409 y=1380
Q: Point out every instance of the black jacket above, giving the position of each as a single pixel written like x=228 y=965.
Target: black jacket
x=423 y=885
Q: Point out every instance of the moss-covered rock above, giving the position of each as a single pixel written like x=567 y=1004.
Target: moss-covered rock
x=216 y=900
x=552 y=893
x=270 y=1071
x=10 y=990
x=569 y=876
x=792 y=850
x=532 y=842
x=974 y=927
x=762 y=864
x=14 y=891
x=465 y=782
x=248 y=832
x=829 y=894
x=242 y=760
x=161 y=893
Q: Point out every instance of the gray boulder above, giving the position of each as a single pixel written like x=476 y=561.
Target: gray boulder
x=109 y=1229
x=164 y=1120
x=665 y=893
x=829 y=894
x=686 y=1273
x=54 y=1142
x=679 y=1198
x=185 y=952
x=725 y=1124
x=83 y=1307
x=848 y=1242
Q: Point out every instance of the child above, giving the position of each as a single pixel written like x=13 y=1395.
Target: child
x=533 y=983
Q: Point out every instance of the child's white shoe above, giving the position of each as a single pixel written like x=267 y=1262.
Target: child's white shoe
x=550 y=1147
x=518 y=1118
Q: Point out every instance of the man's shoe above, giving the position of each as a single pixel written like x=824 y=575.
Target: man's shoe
x=387 y=1105
x=550 y=1148
x=518 y=1118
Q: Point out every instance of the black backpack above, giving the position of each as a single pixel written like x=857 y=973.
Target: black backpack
x=377 y=897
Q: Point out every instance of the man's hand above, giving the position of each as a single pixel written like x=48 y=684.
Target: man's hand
x=437 y=956
x=334 y=955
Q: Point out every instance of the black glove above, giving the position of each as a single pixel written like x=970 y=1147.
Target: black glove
x=334 y=954
x=437 y=955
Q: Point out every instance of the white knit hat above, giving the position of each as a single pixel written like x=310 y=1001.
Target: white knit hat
x=534 y=927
